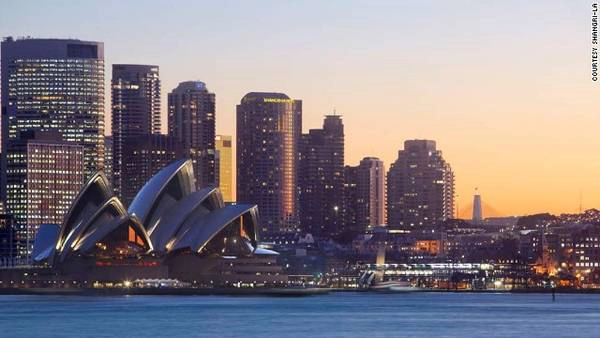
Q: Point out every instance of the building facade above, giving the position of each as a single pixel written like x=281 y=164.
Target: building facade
x=224 y=165
x=192 y=123
x=586 y=255
x=420 y=187
x=108 y=158
x=144 y=157
x=53 y=84
x=7 y=238
x=371 y=192
x=321 y=179
x=350 y=200
x=44 y=174
x=364 y=195
x=269 y=126
x=135 y=110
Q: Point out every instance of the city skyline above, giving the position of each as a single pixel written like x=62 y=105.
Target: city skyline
x=329 y=165
x=496 y=102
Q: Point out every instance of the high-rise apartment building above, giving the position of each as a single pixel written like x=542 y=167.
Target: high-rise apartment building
x=53 y=84
x=350 y=200
x=224 y=165
x=321 y=179
x=364 y=195
x=192 y=124
x=420 y=187
x=44 y=174
x=269 y=126
x=135 y=111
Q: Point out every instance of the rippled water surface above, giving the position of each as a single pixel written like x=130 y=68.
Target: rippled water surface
x=333 y=315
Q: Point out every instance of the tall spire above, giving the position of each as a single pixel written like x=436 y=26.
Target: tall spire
x=477 y=211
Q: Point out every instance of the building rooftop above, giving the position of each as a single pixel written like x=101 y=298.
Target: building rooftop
x=253 y=96
x=190 y=86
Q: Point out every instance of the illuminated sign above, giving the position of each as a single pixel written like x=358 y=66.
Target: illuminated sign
x=274 y=100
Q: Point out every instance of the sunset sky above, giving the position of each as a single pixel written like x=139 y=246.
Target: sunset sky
x=504 y=87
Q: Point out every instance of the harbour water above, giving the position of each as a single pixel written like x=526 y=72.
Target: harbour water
x=334 y=315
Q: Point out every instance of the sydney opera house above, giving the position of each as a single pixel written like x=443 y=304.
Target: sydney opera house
x=171 y=230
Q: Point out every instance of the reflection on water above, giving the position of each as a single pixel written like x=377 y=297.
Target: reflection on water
x=334 y=315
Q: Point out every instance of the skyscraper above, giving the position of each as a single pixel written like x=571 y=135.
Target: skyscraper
x=192 y=124
x=321 y=178
x=269 y=126
x=135 y=111
x=350 y=200
x=53 y=84
x=371 y=192
x=477 y=210
x=108 y=158
x=143 y=157
x=364 y=195
x=420 y=187
x=44 y=174
x=224 y=164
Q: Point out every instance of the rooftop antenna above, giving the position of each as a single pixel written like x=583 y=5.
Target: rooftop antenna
x=334 y=112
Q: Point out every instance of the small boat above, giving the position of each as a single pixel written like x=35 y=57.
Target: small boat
x=395 y=286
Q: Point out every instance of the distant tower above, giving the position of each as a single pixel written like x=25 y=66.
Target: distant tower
x=477 y=211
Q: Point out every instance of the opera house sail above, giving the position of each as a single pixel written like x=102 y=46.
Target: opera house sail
x=171 y=230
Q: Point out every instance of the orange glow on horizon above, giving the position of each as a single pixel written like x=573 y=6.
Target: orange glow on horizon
x=503 y=87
